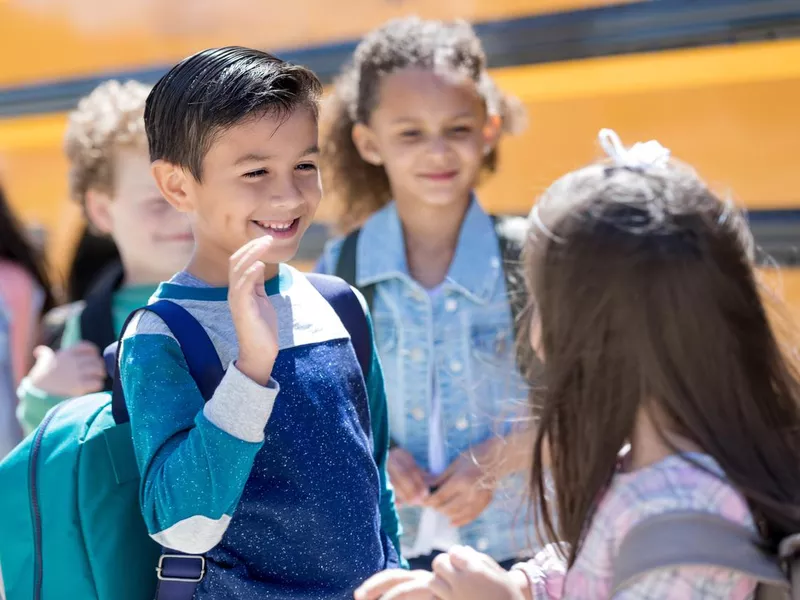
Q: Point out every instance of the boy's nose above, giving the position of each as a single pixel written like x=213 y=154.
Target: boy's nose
x=286 y=195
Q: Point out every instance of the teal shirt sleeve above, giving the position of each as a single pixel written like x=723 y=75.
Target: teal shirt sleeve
x=183 y=445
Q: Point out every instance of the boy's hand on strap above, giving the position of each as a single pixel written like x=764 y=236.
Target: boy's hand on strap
x=69 y=372
x=253 y=314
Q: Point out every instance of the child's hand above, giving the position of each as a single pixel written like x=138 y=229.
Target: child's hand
x=253 y=314
x=407 y=478
x=464 y=574
x=464 y=491
x=70 y=372
x=397 y=584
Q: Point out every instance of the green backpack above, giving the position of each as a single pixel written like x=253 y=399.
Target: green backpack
x=71 y=522
x=95 y=546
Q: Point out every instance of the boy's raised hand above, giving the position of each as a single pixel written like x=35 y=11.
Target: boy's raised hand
x=253 y=314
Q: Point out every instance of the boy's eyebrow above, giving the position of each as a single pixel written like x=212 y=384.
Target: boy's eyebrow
x=253 y=157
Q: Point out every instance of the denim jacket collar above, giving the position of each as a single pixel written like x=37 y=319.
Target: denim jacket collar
x=476 y=267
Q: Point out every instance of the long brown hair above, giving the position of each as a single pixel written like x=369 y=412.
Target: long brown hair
x=357 y=187
x=646 y=295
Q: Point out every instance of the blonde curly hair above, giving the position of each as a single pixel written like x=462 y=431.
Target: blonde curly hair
x=109 y=118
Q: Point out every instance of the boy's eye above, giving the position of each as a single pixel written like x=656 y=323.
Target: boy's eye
x=410 y=133
x=462 y=129
x=310 y=167
x=256 y=173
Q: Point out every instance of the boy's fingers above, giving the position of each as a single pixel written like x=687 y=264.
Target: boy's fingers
x=250 y=278
x=379 y=584
x=250 y=252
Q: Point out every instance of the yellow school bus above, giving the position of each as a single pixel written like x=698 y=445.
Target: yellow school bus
x=717 y=81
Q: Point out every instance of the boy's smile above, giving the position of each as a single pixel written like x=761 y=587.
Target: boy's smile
x=279 y=229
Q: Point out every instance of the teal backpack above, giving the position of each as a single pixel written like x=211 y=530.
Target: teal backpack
x=71 y=523
x=70 y=520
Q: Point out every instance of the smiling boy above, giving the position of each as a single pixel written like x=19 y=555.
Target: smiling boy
x=273 y=479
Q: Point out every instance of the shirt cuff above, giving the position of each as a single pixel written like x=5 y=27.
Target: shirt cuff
x=240 y=406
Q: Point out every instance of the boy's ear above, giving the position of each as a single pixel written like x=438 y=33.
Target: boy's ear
x=172 y=182
x=365 y=143
x=492 y=131
x=98 y=210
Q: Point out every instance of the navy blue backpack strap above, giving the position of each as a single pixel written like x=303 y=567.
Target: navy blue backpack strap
x=178 y=573
x=344 y=301
x=341 y=297
x=201 y=356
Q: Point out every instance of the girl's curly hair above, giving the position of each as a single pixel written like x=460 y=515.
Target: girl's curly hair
x=357 y=187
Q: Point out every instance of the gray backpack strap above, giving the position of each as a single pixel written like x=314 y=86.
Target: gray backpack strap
x=346 y=267
x=692 y=538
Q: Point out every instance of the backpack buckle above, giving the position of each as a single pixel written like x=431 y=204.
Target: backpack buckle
x=160 y=568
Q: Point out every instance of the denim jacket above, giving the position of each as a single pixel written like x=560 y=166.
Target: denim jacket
x=462 y=340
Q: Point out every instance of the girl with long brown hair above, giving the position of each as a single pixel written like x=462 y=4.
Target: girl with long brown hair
x=655 y=339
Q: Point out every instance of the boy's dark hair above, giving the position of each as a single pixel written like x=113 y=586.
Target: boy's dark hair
x=361 y=188
x=215 y=89
x=647 y=299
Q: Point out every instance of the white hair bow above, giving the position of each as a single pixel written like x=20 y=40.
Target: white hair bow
x=639 y=156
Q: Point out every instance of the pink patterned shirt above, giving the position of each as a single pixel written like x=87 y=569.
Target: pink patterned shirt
x=671 y=484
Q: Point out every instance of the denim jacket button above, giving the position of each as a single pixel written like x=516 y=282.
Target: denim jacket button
x=456 y=366
x=451 y=305
x=417 y=355
x=462 y=424
x=418 y=414
x=483 y=544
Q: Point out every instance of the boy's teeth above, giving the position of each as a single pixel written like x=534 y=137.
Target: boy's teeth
x=276 y=226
